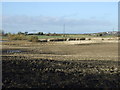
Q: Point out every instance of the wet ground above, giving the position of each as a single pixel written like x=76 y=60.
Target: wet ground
x=52 y=65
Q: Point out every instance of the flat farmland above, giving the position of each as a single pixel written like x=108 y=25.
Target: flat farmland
x=62 y=51
x=60 y=64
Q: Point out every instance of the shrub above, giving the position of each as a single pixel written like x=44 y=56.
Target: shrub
x=16 y=37
x=119 y=38
x=82 y=38
x=33 y=39
x=89 y=38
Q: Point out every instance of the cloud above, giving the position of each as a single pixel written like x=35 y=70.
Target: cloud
x=49 y=23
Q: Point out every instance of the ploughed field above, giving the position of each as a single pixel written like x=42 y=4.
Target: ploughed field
x=57 y=64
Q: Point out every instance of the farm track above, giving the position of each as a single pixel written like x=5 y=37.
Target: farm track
x=50 y=65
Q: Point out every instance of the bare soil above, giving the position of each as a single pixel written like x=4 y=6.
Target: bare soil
x=52 y=65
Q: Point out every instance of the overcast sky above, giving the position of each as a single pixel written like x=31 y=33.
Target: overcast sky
x=78 y=17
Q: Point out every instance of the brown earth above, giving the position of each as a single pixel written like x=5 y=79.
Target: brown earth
x=52 y=64
x=62 y=51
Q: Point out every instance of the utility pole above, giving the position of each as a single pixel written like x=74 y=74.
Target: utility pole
x=64 y=30
x=113 y=31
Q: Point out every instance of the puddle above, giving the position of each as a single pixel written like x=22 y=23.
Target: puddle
x=3 y=41
x=14 y=51
x=11 y=51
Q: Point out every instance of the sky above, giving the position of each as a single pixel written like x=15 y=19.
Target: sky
x=50 y=17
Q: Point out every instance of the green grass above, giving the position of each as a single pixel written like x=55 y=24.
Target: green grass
x=47 y=37
x=110 y=36
x=72 y=36
x=78 y=35
x=66 y=36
